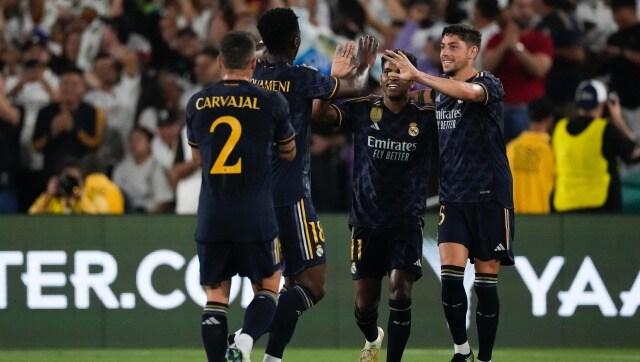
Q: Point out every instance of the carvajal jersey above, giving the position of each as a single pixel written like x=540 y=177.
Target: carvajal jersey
x=299 y=85
x=473 y=160
x=234 y=124
x=391 y=161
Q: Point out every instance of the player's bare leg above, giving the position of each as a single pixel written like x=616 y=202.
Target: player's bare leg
x=453 y=260
x=399 y=324
x=299 y=294
x=488 y=309
x=367 y=299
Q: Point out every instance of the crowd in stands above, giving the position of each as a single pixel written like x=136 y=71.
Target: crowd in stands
x=92 y=92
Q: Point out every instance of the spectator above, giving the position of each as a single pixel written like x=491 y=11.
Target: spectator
x=34 y=15
x=11 y=120
x=622 y=56
x=116 y=92
x=64 y=193
x=532 y=161
x=99 y=188
x=206 y=70
x=485 y=14
x=70 y=127
x=32 y=85
x=70 y=51
x=521 y=57
x=170 y=93
x=568 y=53
x=165 y=142
x=586 y=149
x=185 y=173
x=141 y=177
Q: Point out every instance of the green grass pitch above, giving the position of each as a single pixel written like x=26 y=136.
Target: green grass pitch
x=308 y=355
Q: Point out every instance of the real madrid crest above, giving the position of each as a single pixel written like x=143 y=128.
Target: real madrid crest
x=376 y=114
x=413 y=129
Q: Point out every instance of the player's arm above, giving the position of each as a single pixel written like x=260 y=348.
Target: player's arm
x=195 y=154
x=470 y=92
x=422 y=96
x=287 y=148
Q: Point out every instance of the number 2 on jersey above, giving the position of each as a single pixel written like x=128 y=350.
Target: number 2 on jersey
x=219 y=165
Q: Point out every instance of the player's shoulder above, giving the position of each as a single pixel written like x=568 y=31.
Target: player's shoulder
x=371 y=99
x=484 y=74
x=423 y=107
x=488 y=79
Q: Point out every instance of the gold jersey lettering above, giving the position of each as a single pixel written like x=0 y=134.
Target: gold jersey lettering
x=273 y=85
x=227 y=101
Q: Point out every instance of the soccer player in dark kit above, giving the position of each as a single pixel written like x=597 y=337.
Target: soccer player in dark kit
x=232 y=127
x=394 y=140
x=476 y=220
x=300 y=232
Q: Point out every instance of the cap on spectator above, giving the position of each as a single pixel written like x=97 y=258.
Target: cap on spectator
x=37 y=39
x=590 y=93
x=167 y=117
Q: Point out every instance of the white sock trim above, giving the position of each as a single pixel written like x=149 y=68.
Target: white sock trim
x=269 y=358
x=462 y=348
x=244 y=342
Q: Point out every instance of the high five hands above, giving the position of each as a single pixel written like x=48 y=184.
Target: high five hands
x=346 y=63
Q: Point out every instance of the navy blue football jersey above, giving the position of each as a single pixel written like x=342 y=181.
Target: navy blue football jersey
x=234 y=124
x=392 y=154
x=473 y=160
x=299 y=85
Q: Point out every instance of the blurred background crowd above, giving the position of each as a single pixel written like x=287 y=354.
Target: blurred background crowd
x=92 y=92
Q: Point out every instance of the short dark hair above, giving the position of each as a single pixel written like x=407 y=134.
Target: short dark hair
x=540 y=108
x=617 y=4
x=412 y=58
x=72 y=69
x=237 y=49
x=488 y=8
x=467 y=33
x=209 y=51
x=92 y=163
x=278 y=28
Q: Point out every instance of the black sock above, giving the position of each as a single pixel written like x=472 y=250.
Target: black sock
x=291 y=305
x=487 y=313
x=454 y=301
x=398 y=328
x=214 y=330
x=259 y=314
x=368 y=323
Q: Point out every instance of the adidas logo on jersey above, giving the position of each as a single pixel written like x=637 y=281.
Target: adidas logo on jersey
x=500 y=247
x=418 y=263
x=375 y=126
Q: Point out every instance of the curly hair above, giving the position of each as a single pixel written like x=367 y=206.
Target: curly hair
x=278 y=28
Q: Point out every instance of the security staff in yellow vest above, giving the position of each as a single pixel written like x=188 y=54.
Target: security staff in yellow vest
x=587 y=148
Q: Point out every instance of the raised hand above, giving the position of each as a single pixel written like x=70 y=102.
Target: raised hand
x=399 y=61
x=343 y=63
x=367 y=48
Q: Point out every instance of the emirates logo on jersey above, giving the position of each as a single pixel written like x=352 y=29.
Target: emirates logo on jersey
x=413 y=129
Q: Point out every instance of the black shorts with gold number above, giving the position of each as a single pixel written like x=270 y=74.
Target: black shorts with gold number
x=221 y=261
x=485 y=228
x=301 y=237
x=375 y=252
